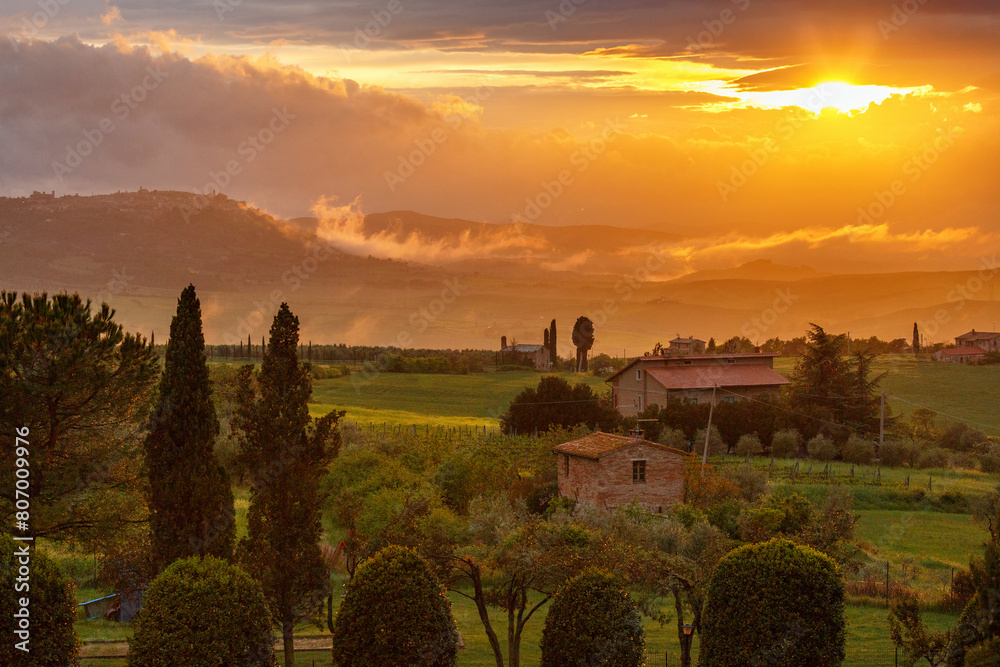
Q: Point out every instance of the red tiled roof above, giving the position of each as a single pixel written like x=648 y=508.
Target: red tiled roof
x=597 y=444
x=705 y=377
x=962 y=351
x=980 y=335
x=673 y=359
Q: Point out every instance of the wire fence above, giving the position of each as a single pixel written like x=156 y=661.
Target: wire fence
x=859 y=657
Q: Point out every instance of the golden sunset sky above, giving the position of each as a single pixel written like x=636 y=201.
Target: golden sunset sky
x=847 y=135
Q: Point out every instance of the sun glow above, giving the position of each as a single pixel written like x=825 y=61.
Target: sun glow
x=839 y=95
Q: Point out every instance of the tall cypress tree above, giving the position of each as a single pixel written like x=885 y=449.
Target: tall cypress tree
x=916 y=339
x=190 y=497
x=552 y=342
x=287 y=454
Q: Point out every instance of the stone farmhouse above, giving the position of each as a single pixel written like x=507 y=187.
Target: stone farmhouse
x=988 y=341
x=653 y=380
x=514 y=354
x=960 y=355
x=606 y=470
x=684 y=346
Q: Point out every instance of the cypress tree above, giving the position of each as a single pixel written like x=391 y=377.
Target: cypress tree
x=287 y=453
x=552 y=342
x=916 y=339
x=190 y=497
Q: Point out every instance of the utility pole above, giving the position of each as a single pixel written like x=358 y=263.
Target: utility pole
x=881 y=426
x=708 y=431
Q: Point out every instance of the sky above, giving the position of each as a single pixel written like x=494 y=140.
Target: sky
x=851 y=136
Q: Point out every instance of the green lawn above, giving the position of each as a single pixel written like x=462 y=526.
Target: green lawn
x=964 y=391
x=934 y=541
x=476 y=399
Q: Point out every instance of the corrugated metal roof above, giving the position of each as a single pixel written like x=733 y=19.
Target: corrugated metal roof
x=597 y=444
x=705 y=377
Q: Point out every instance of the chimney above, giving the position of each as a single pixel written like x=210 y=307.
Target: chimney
x=503 y=342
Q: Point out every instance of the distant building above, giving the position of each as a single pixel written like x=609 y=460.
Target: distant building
x=606 y=470
x=653 y=380
x=960 y=355
x=988 y=341
x=686 y=346
x=538 y=355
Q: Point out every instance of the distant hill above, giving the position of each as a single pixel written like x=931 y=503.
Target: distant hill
x=761 y=269
x=138 y=250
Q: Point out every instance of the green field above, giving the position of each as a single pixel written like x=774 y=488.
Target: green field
x=479 y=399
x=964 y=391
x=435 y=399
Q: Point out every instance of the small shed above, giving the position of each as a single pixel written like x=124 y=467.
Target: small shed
x=608 y=470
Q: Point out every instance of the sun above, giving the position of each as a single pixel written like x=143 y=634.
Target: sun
x=839 y=95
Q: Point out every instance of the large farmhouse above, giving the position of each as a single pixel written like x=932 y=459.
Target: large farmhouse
x=538 y=355
x=606 y=470
x=653 y=380
x=988 y=341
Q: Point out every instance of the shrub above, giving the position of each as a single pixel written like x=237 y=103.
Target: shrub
x=899 y=453
x=821 y=448
x=395 y=613
x=201 y=612
x=759 y=524
x=749 y=445
x=986 y=654
x=961 y=438
x=592 y=621
x=672 y=437
x=989 y=460
x=786 y=444
x=796 y=510
x=715 y=442
x=725 y=516
x=934 y=457
x=791 y=609
x=751 y=481
x=52 y=609
x=859 y=450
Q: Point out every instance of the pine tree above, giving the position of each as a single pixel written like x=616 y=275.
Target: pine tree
x=916 y=339
x=190 y=496
x=287 y=453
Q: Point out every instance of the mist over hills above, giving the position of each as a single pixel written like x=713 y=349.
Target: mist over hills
x=405 y=278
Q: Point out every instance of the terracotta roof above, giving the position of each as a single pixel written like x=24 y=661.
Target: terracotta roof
x=596 y=445
x=980 y=335
x=962 y=351
x=522 y=348
x=705 y=377
x=718 y=358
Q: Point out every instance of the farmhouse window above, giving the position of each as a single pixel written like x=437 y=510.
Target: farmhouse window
x=638 y=374
x=640 y=403
x=638 y=472
x=566 y=456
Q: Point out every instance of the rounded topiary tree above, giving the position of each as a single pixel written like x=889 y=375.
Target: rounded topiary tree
x=592 y=621
x=790 y=603
x=48 y=625
x=395 y=613
x=202 y=612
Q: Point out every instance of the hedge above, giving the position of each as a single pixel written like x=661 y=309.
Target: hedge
x=790 y=602
x=200 y=613
x=51 y=609
x=592 y=621
x=395 y=613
